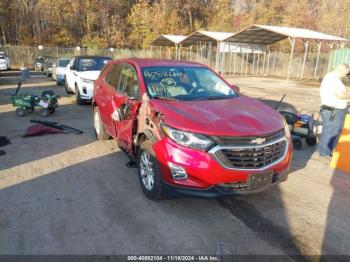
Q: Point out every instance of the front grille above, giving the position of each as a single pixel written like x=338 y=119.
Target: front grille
x=251 y=157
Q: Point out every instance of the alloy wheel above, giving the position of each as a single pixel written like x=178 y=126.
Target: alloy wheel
x=147 y=170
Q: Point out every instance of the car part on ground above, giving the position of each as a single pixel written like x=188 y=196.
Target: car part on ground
x=40 y=130
x=57 y=125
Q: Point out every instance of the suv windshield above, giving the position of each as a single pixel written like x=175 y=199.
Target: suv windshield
x=92 y=63
x=63 y=62
x=185 y=83
x=2 y=56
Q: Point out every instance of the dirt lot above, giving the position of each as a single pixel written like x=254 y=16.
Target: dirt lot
x=69 y=194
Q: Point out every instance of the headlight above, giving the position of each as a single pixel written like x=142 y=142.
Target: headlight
x=88 y=81
x=286 y=129
x=188 y=139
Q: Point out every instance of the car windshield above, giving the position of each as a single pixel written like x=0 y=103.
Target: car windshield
x=92 y=63
x=63 y=62
x=185 y=83
x=2 y=56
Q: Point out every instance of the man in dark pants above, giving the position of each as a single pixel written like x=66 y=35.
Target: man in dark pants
x=333 y=110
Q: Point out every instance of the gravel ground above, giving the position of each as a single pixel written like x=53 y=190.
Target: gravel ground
x=69 y=194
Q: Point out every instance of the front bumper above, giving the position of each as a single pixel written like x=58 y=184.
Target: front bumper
x=206 y=176
x=220 y=191
x=86 y=90
x=60 y=79
x=3 y=67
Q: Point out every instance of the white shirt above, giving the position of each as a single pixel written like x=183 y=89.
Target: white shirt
x=330 y=85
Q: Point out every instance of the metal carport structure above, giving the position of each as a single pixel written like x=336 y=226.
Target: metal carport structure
x=206 y=39
x=169 y=40
x=267 y=35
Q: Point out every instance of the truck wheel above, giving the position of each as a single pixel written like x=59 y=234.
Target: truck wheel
x=67 y=88
x=20 y=112
x=44 y=112
x=77 y=96
x=100 y=130
x=149 y=172
x=297 y=143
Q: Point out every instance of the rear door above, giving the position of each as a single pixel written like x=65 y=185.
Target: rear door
x=107 y=97
x=129 y=100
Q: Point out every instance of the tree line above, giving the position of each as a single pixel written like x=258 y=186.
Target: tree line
x=136 y=23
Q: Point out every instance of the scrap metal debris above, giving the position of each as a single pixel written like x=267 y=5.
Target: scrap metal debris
x=57 y=125
x=40 y=130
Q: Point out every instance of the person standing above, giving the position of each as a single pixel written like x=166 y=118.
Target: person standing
x=334 y=98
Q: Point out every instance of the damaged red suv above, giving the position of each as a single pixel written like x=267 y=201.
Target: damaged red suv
x=188 y=130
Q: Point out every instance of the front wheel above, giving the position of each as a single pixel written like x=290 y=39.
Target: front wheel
x=66 y=87
x=78 y=98
x=149 y=172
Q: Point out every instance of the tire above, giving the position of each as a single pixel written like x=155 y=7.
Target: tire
x=44 y=112
x=297 y=143
x=99 y=128
x=66 y=87
x=150 y=176
x=20 y=112
x=52 y=110
x=78 y=98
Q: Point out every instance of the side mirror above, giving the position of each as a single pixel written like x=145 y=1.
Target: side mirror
x=236 y=88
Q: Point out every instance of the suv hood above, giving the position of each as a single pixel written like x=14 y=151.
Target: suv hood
x=241 y=116
x=91 y=75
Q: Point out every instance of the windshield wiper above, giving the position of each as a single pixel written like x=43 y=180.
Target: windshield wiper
x=164 y=98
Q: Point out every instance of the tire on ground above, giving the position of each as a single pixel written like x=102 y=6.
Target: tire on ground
x=157 y=191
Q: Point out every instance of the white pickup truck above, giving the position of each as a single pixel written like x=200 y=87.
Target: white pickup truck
x=5 y=62
x=80 y=75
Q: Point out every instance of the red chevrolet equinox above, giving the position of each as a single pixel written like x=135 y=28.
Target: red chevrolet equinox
x=188 y=130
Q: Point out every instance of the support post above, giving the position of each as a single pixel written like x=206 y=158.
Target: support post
x=253 y=67
x=263 y=69
x=268 y=63
x=217 y=58
x=306 y=45
x=234 y=63
x=246 y=62
x=274 y=62
x=292 y=42
x=319 y=45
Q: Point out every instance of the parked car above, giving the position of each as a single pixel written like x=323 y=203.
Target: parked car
x=80 y=75
x=39 y=63
x=48 y=65
x=189 y=130
x=59 y=70
x=5 y=62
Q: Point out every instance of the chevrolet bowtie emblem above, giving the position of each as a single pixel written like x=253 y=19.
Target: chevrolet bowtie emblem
x=258 y=141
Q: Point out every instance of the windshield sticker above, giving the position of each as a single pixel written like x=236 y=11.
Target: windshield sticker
x=167 y=82
x=157 y=74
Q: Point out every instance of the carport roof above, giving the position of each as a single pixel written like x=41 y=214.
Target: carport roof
x=205 y=36
x=265 y=34
x=168 y=40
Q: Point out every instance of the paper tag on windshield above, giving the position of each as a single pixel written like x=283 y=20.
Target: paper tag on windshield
x=43 y=104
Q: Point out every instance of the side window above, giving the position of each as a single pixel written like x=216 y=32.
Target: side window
x=112 y=77
x=128 y=82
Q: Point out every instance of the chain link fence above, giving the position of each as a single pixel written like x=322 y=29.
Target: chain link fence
x=228 y=63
